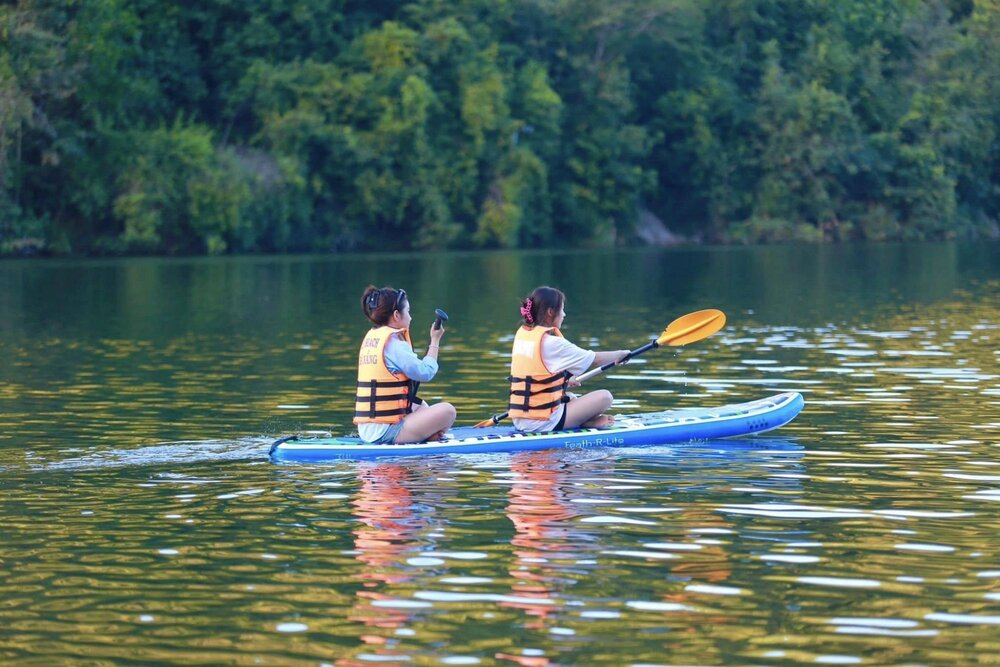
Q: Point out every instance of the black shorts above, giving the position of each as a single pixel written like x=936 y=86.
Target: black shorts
x=562 y=420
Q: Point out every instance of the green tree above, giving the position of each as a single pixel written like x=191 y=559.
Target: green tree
x=34 y=77
x=142 y=126
x=178 y=194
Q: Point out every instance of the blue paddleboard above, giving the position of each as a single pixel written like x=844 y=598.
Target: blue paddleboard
x=653 y=428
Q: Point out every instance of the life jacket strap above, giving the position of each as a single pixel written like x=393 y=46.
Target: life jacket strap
x=373 y=398
x=543 y=406
x=414 y=399
x=371 y=414
x=565 y=375
x=527 y=392
x=364 y=384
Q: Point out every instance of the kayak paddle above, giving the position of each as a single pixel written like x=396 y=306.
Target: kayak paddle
x=686 y=329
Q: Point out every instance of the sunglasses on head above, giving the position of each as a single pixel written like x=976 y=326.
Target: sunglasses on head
x=376 y=297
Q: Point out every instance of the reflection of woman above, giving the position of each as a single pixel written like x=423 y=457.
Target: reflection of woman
x=384 y=508
x=386 y=530
x=542 y=363
x=538 y=510
x=387 y=409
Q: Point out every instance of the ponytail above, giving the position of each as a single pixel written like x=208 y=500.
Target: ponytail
x=542 y=306
x=378 y=304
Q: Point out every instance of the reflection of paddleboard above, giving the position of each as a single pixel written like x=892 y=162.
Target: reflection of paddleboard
x=654 y=428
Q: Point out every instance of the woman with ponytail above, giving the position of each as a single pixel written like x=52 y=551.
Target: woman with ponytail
x=387 y=409
x=542 y=365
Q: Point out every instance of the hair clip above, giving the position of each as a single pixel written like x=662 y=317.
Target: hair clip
x=526 y=311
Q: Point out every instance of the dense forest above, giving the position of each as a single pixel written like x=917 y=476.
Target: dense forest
x=218 y=126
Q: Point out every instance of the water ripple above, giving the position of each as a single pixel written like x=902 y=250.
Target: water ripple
x=143 y=524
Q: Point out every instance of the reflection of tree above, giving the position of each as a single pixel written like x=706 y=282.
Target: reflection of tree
x=538 y=508
x=387 y=526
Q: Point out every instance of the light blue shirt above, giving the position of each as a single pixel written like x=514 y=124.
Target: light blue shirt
x=400 y=358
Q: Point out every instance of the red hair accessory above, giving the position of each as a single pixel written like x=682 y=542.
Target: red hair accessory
x=526 y=311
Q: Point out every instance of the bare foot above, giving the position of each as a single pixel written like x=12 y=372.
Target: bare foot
x=599 y=421
x=435 y=437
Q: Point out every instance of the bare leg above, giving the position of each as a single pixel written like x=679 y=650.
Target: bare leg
x=599 y=421
x=588 y=410
x=426 y=423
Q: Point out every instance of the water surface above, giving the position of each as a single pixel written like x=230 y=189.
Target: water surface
x=143 y=524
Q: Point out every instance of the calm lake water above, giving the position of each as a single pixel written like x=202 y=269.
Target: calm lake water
x=143 y=524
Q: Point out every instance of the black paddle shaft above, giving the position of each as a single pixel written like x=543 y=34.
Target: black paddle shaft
x=634 y=353
x=611 y=364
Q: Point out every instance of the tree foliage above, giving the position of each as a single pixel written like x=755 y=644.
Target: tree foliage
x=135 y=126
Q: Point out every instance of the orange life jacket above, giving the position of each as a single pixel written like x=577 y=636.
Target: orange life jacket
x=535 y=391
x=382 y=397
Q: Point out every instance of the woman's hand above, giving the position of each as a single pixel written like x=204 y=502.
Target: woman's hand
x=436 y=335
x=435 y=345
x=611 y=357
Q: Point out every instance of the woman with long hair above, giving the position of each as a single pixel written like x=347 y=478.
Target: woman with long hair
x=542 y=365
x=387 y=409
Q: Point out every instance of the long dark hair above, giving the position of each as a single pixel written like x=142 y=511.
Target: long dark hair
x=542 y=306
x=379 y=303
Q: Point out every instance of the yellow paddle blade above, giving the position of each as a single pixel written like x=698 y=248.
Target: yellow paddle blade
x=692 y=327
